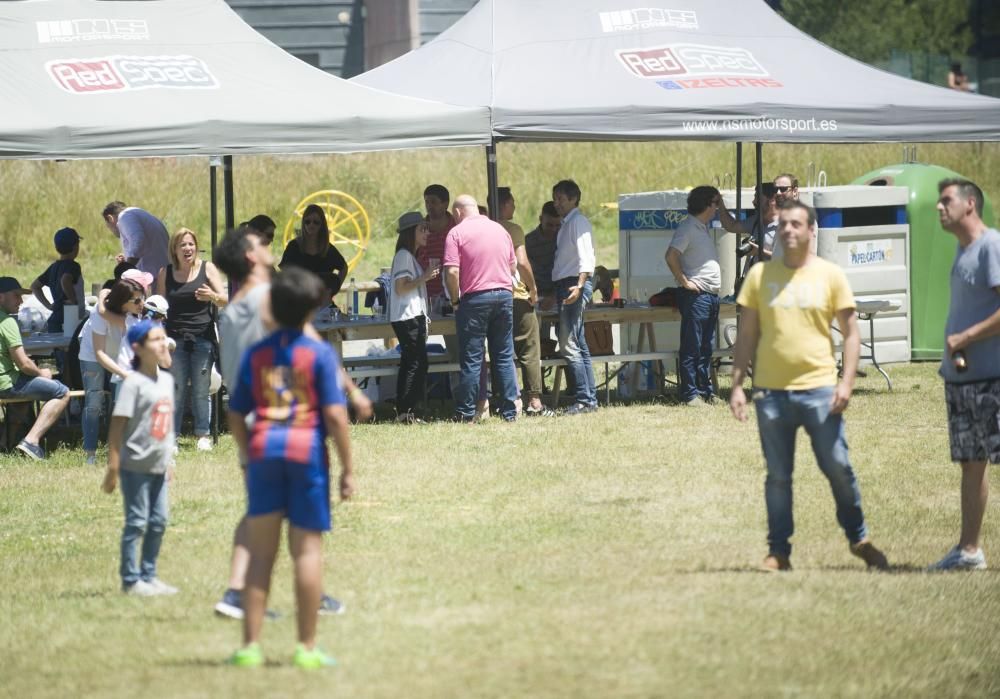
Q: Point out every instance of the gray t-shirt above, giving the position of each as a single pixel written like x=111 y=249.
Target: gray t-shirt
x=699 y=259
x=149 y=433
x=974 y=276
x=240 y=325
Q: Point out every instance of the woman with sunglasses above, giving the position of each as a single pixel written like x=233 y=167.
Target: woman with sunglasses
x=100 y=344
x=191 y=287
x=409 y=315
x=312 y=251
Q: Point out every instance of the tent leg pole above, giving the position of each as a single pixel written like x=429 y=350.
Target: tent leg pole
x=760 y=202
x=739 y=200
x=491 y=180
x=213 y=212
x=213 y=208
x=227 y=190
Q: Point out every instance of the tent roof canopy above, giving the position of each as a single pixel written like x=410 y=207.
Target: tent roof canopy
x=706 y=70
x=90 y=79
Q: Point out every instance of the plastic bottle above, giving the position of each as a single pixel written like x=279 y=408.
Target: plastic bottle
x=959 y=360
x=376 y=309
x=352 y=295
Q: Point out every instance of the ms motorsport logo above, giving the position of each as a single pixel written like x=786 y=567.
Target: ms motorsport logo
x=696 y=66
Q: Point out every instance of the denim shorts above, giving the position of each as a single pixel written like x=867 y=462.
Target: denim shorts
x=35 y=387
x=974 y=420
x=301 y=491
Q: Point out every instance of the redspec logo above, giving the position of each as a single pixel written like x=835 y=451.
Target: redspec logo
x=117 y=73
x=647 y=18
x=76 y=30
x=690 y=59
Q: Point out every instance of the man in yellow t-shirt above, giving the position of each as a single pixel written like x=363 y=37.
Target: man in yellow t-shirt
x=787 y=307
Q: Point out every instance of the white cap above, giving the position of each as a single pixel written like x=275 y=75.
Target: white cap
x=157 y=304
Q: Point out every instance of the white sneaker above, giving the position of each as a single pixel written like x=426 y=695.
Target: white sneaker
x=140 y=588
x=204 y=444
x=90 y=458
x=959 y=559
x=162 y=588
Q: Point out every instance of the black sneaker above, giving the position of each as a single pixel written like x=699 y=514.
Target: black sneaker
x=231 y=605
x=463 y=419
x=32 y=451
x=328 y=606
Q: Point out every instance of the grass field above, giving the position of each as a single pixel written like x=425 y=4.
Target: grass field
x=41 y=197
x=607 y=555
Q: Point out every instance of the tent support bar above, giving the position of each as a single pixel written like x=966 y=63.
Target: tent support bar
x=739 y=177
x=213 y=207
x=739 y=199
x=227 y=190
x=491 y=180
x=760 y=202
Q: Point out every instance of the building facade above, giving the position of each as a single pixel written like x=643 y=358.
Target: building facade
x=347 y=37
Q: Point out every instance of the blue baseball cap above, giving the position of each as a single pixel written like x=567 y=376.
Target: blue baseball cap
x=137 y=333
x=66 y=238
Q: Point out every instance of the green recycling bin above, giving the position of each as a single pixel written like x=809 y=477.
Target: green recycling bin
x=932 y=250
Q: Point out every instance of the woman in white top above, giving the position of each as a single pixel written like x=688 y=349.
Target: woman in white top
x=100 y=343
x=408 y=313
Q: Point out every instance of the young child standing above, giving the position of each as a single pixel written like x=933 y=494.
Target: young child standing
x=64 y=278
x=291 y=383
x=140 y=453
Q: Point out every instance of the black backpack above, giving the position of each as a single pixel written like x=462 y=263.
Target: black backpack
x=73 y=377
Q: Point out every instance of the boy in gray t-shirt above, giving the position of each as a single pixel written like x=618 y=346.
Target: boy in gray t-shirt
x=140 y=453
x=241 y=325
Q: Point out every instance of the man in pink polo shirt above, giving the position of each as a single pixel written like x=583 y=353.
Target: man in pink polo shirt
x=479 y=268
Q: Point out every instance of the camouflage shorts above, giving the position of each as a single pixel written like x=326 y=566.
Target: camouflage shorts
x=974 y=420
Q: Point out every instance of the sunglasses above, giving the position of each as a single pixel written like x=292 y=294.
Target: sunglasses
x=312 y=222
x=137 y=299
x=783 y=188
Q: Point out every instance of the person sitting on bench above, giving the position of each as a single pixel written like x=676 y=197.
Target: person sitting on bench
x=20 y=377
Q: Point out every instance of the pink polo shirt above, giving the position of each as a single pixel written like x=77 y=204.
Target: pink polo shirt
x=483 y=253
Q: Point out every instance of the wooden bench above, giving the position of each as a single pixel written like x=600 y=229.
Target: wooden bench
x=32 y=402
x=375 y=366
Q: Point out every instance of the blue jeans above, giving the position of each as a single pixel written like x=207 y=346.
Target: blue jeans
x=36 y=387
x=146 y=512
x=573 y=341
x=93 y=402
x=486 y=316
x=194 y=365
x=779 y=415
x=699 y=318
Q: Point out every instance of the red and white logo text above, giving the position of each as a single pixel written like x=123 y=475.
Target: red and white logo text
x=117 y=73
x=703 y=66
x=690 y=59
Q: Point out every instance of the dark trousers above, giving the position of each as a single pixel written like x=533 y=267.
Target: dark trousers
x=699 y=318
x=412 y=379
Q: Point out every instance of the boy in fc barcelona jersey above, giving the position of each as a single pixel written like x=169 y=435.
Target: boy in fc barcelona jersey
x=291 y=383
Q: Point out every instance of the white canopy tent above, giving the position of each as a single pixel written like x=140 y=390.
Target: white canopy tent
x=707 y=70
x=701 y=70
x=93 y=79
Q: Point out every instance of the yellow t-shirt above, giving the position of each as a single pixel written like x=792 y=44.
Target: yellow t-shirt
x=795 y=308
x=516 y=234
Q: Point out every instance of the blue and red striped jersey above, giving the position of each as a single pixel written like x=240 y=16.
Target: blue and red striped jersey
x=286 y=380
